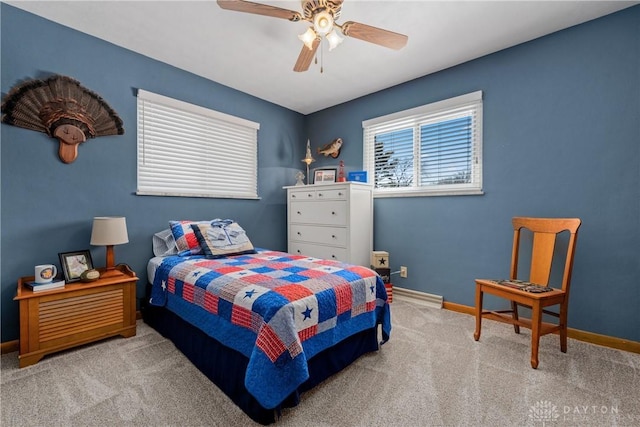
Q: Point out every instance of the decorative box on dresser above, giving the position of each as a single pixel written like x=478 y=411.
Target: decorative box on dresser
x=79 y=313
x=331 y=221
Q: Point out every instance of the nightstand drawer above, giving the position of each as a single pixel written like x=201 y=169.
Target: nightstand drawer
x=89 y=313
x=319 y=212
x=335 y=236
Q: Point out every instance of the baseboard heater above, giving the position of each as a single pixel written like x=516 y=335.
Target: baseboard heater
x=423 y=298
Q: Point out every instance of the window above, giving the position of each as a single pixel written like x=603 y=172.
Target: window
x=435 y=149
x=190 y=151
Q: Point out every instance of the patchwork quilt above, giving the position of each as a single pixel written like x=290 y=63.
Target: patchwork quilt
x=277 y=309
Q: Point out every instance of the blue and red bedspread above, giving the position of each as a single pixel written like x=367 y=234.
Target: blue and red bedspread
x=277 y=309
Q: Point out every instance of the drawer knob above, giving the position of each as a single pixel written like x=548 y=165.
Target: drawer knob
x=309 y=195
x=339 y=194
x=319 y=194
x=298 y=251
x=299 y=233
x=333 y=256
x=293 y=196
x=333 y=236
x=333 y=213
x=299 y=213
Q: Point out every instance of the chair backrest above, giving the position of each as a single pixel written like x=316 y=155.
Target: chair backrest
x=545 y=232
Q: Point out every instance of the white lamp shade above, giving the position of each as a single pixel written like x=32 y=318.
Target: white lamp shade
x=109 y=230
x=323 y=22
x=308 y=38
x=334 y=39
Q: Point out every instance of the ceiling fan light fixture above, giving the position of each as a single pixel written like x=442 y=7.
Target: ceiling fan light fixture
x=334 y=39
x=323 y=22
x=308 y=37
x=322 y=15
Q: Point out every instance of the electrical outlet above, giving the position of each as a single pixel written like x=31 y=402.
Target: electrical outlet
x=403 y=271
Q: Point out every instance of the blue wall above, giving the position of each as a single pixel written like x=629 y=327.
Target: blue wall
x=48 y=206
x=561 y=138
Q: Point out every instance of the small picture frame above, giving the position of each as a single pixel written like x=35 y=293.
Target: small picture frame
x=324 y=175
x=74 y=264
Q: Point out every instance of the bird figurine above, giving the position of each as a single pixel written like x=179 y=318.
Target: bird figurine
x=331 y=149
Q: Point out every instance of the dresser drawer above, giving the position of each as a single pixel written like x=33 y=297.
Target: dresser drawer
x=336 y=236
x=318 y=251
x=319 y=212
x=302 y=195
x=334 y=193
x=320 y=194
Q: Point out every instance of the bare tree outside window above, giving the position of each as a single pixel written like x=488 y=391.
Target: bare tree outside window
x=391 y=171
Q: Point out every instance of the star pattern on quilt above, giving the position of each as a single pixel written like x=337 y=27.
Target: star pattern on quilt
x=307 y=313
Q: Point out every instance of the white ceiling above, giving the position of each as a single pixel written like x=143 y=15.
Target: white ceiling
x=256 y=54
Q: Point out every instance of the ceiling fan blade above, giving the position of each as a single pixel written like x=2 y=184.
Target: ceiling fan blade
x=305 y=57
x=259 y=9
x=375 y=35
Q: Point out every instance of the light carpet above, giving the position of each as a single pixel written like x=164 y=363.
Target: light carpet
x=431 y=373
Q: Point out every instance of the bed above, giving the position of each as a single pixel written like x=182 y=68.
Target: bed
x=265 y=325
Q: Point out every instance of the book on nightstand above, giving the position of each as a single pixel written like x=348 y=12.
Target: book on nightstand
x=39 y=287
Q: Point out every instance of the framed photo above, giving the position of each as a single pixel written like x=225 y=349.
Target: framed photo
x=74 y=264
x=324 y=175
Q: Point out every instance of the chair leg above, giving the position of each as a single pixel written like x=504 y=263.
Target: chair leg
x=479 y=293
x=514 y=308
x=536 y=321
x=563 y=326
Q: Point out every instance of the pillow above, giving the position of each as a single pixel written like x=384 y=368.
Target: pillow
x=186 y=240
x=164 y=244
x=220 y=238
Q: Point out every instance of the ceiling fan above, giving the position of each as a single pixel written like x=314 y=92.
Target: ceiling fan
x=322 y=14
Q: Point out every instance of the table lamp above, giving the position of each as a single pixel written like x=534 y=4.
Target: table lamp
x=109 y=231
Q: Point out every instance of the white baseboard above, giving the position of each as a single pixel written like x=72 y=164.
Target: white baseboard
x=423 y=298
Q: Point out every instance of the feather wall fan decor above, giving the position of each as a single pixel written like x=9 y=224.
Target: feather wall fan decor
x=63 y=109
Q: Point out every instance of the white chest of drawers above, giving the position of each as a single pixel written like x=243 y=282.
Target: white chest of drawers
x=331 y=221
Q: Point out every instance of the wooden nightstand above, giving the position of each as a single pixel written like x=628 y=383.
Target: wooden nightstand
x=79 y=313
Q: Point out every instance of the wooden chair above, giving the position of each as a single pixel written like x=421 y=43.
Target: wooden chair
x=545 y=232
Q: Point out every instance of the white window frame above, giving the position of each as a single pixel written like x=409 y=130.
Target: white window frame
x=464 y=105
x=186 y=150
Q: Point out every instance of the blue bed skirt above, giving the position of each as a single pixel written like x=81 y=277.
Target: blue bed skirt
x=226 y=367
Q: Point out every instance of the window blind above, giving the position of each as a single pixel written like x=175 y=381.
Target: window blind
x=429 y=150
x=191 y=151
